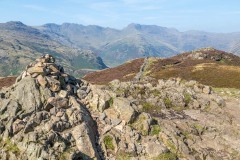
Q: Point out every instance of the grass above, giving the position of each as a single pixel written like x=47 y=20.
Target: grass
x=187 y=98
x=110 y=102
x=186 y=134
x=139 y=90
x=123 y=156
x=119 y=72
x=150 y=108
x=150 y=62
x=155 y=129
x=224 y=73
x=232 y=92
x=235 y=154
x=9 y=146
x=216 y=75
x=166 y=156
x=171 y=146
x=64 y=155
x=139 y=125
x=156 y=92
x=199 y=128
x=168 y=103
x=108 y=141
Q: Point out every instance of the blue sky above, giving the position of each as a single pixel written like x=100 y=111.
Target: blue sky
x=206 y=15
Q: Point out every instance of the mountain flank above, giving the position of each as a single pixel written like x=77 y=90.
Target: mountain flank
x=20 y=44
x=49 y=114
x=208 y=66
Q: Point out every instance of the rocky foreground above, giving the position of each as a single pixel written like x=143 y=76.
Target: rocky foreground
x=48 y=114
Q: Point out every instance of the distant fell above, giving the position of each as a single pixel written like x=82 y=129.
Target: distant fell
x=208 y=66
x=136 y=40
x=20 y=44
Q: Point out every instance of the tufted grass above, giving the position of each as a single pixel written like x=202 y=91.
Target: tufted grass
x=166 y=156
x=108 y=141
x=155 y=129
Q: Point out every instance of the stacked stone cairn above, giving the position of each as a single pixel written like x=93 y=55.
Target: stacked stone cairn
x=48 y=74
x=42 y=116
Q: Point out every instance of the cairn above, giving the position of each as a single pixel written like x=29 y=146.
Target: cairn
x=45 y=103
x=51 y=75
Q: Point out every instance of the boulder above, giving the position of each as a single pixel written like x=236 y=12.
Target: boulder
x=100 y=100
x=85 y=141
x=124 y=108
x=111 y=113
x=53 y=84
x=18 y=125
x=81 y=93
x=58 y=102
x=28 y=95
x=42 y=81
x=63 y=93
x=54 y=68
x=154 y=149
x=38 y=70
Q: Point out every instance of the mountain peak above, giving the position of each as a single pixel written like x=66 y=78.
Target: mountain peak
x=15 y=23
x=134 y=26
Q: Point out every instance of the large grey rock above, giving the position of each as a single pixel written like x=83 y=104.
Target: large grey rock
x=100 y=100
x=123 y=106
x=26 y=92
x=154 y=149
x=18 y=125
x=85 y=140
x=81 y=93
x=63 y=93
x=38 y=70
x=58 y=102
x=54 y=84
x=42 y=81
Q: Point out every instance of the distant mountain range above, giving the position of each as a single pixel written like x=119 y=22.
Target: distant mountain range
x=79 y=47
x=20 y=44
x=117 y=46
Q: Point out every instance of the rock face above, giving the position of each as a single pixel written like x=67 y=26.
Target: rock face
x=48 y=114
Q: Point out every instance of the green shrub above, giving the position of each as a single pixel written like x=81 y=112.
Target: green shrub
x=110 y=102
x=108 y=141
x=155 y=129
x=168 y=102
x=187 y=98
x=11 y=146
x=150 y=108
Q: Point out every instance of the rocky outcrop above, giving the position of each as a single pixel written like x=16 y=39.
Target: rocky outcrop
x=42 y=117
x=170 y=119
x=48 y=114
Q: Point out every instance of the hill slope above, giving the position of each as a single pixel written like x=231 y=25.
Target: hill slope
x=135 y=40
x=20 y=44
x=208 y=66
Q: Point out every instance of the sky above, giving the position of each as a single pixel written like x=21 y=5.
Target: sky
x=205 y=15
